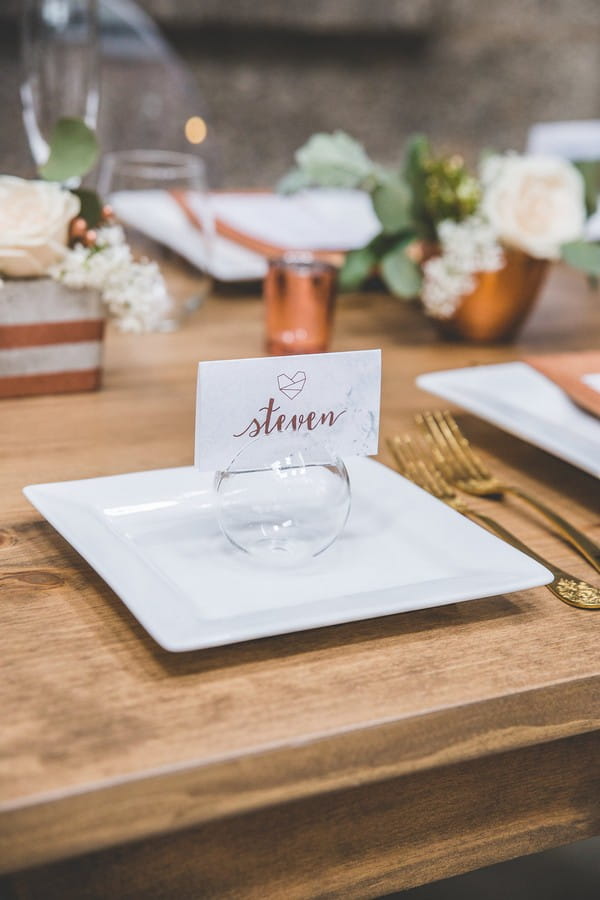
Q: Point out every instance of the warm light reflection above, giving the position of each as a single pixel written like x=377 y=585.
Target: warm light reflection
x=195 y=130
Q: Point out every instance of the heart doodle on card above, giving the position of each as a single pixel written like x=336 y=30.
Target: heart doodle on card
x=291 y=386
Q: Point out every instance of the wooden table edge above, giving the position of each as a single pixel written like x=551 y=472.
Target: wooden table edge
x=54 y=826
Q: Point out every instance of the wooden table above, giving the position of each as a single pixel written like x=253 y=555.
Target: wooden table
x=342 y=762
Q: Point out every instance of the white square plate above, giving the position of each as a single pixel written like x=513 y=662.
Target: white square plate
x=154 y=538
x=525 y=403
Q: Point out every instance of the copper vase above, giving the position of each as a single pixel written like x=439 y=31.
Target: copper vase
x=500 y=302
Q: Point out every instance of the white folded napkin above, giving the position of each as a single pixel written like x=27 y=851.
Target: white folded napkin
x=310 y=220
x=320 y=219
x=157 y=215
x=577 y=140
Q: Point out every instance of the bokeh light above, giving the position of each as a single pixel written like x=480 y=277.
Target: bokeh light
x=195 y=130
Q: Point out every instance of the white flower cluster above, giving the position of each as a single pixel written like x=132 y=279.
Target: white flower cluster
x=531 y=204
x=134 y=292
x=467 y=247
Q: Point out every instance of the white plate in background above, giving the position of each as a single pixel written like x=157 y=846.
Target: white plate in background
x=525 y=403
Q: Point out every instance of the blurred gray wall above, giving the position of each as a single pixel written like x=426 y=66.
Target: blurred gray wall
x=471 y=73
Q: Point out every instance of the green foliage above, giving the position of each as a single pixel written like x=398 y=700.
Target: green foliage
x=590 y=171
x=73 y=151
x=392 y=202
x=293 y=181
x=334 y=160
x=410 y=203
x=450 y=192
x=400 y=273
x=441 y=186
x=583 y=256
x=91 y=206
x=358 y=265
x=416 y=158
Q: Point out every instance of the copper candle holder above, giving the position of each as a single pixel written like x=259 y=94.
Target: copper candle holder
x=299 y=293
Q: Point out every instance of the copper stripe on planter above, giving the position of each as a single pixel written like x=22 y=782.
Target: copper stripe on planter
x=50 y=383
x=43 y=333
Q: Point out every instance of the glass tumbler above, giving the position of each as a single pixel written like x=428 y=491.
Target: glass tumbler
x=299 y=295
x=287 y=510
x=141 y=186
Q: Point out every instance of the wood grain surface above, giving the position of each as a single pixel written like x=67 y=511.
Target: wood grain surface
x=106 y=738
x=362 y=842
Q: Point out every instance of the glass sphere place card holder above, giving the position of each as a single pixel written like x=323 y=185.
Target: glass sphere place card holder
x=287 y=507
x=275 y=432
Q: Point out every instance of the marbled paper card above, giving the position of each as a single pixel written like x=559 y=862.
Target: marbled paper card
x=327 y=398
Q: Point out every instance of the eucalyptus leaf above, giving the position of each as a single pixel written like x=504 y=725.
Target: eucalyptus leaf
x=91 y=206
x=392 y=202
x=381 y=243
x=334 y=160
x=357 y=267
x=73 y=151
x=590 y=171
x=295 y=180
x=416 y=157
x=584 y=256
x=401 y=275
x=418 y=151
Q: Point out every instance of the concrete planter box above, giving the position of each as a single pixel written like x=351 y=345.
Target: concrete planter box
x=50 y=338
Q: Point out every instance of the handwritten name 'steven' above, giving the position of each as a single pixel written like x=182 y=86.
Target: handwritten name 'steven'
x=271 y=422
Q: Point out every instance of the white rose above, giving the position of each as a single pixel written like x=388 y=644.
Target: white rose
x=534 y=203
x=34 y=225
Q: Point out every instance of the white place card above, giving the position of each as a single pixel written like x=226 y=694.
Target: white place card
x=333 y=398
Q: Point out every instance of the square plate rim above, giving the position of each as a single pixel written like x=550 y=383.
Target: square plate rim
x=430 y=381
x=41 y=498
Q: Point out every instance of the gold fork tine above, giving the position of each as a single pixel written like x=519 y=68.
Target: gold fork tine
x=462 y=444
x=396 y=450
x=403 y=451
x=465 y=470
x=414 y=460
x=416 y=453
x=428 y=429
x=449 y=445
x=403 y=463
x=412 y=463
x=434 y=431
x=454 y=445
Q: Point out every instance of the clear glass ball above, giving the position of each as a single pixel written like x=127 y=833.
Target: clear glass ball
x=285 y=511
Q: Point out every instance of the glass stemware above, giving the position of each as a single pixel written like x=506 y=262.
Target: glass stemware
x=141 y=186
x=60 y=67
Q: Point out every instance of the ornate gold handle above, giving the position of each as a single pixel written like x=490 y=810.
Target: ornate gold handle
x=566 y=587
x=588 y=548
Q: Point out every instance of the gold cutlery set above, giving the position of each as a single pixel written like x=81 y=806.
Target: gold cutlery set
x=440 y=459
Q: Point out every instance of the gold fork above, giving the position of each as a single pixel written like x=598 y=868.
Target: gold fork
x=464 y=469
x=414 y=461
